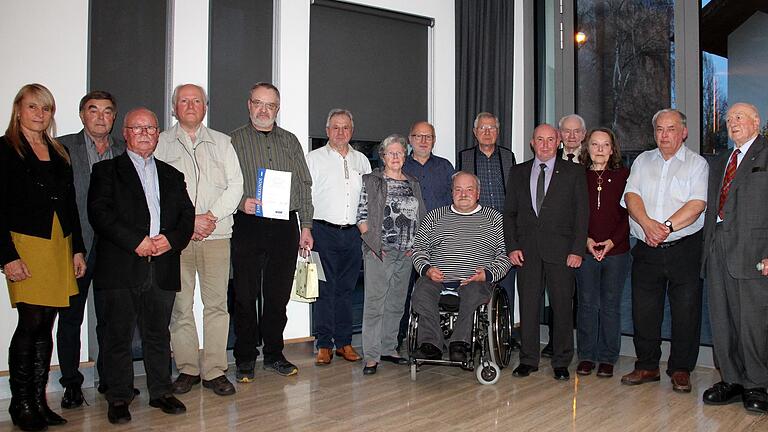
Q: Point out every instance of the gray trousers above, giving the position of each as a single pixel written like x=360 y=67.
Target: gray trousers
x=737 y=311
x=425 y=299
x=386 y=285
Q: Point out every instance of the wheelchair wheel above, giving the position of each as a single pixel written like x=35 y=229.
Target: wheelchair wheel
x=413 y=327
x=488 y=373
x=499 y=328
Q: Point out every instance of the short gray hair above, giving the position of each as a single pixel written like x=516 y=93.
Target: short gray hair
x=339 y=111
x=483 y=115
x=570 y=116
x=392 y=139
x=175 y=96
x=455 y=175
x=683 y=118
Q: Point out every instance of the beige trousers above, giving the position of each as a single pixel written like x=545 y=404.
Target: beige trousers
x=209 y=260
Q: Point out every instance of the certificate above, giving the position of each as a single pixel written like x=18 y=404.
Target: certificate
x=273 y=188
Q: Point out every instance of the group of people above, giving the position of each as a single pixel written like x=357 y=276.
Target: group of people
x=146 y=219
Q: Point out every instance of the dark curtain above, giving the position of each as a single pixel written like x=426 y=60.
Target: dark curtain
x=484 y=59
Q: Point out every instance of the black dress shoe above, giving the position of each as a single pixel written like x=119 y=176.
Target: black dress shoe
x=523 y=370
x=457 y=351
x=427 y=351
x=561 y=373
x=118 y=413
x=395 y=360
x=169 y=404
x=755 y=400
x=370 y=370
x=723 y=393
x=548 y=351
x=73 y=397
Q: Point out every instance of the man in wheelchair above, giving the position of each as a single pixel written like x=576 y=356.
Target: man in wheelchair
x=459 y=248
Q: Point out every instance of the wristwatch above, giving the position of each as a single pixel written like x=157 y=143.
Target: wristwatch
x=668 y=224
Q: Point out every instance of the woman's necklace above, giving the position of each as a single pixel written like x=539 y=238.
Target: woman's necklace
x=599 y=185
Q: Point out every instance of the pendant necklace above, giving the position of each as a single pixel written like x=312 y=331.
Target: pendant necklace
x=599 y=185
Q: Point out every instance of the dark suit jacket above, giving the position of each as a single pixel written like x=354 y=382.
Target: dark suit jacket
x=81 y=168
x=28 y=203
x=745 y=213
x=561 y=227
x=118 y=212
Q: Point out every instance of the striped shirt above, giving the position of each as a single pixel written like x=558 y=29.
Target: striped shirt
x=276 y=150
x=458 y=243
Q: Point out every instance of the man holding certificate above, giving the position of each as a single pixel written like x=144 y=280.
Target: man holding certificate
x=276 y=197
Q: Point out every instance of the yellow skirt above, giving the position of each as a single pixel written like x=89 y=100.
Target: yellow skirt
x=50 y=264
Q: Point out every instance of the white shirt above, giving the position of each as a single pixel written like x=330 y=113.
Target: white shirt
x=666 y=186
x=336 y=183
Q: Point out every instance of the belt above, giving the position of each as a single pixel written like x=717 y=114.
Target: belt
x=331 y=225
x=670 y=243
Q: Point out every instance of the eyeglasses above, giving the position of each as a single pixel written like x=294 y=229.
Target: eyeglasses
x=394 y=154
x=422 y=137
x=136 y=130
x=266 y=105
x=487 y=128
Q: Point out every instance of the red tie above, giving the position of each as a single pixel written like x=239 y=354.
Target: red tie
x=730 y=173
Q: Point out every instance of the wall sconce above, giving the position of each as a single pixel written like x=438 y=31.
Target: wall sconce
x=580 y=38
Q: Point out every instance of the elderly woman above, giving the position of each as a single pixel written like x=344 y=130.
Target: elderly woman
x=41 y=248
x=604 y=269
x=390 y=209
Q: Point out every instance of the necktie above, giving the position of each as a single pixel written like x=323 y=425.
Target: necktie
x=570 y=157
x=540 y=188
x=730 y=173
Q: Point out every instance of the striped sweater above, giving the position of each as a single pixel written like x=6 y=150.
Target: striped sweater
x=458 y=243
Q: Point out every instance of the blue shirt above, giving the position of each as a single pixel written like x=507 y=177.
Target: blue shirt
x=435 y=179
x=492 y=193
x=147 y=171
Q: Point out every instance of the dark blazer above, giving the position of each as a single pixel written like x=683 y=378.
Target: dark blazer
x=745 y=213
x=118 y=212
x=28 y=202
x=561 y=227
x=467 y=161
x=81 y=168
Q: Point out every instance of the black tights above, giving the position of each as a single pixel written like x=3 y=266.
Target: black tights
x=35 y=325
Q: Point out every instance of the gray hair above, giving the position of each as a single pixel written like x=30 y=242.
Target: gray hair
x=175 y=96
x=455 y=175
x=483 y=115
x=392 y=139
x=683 y=118
x=135 y=110
x=339 y=111
x=570 y=116
x=266 y=85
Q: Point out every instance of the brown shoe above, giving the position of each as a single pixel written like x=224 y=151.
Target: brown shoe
x=640 y=376
x=184 y=383
x=585 y=367
x=324 y=356
x=605 y=370
x=681 y=381
x=348 y=353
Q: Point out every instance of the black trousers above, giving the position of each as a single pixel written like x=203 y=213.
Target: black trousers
x=559 y=280
x=68 y=330
x=658 y=273
x=150 y=307
x=264 y=260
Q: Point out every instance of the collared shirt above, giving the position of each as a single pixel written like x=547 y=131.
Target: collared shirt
x=278 y=150
x=535 y=177
x=147 y=171
x=336 y=183
x=491 y=179
x=435 y=179
x=575 y=158
x=93 y=154
x=667 y=185
x=211 y=171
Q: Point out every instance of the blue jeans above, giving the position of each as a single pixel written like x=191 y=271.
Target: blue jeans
x=601 y=284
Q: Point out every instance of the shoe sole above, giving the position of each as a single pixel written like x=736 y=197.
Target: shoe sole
x=734 y=399
x=631 y=383
x=681 y=389
x=291 y=373
x=220 y=393
x=245 y=380
x=603 y=375
x=583 y=373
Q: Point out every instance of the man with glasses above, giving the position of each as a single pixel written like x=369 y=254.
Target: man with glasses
x=92 y=144
x=572 y=132
x=433 y=172
x=337 y=171
x=264 y=249
x=215 y=186
x=141 y=237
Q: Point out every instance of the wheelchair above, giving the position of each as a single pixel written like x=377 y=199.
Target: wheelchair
x=491 y=348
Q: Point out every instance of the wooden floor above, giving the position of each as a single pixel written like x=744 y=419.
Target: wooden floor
x=339 y=398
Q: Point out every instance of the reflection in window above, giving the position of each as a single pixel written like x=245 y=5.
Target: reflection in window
x=625 y=68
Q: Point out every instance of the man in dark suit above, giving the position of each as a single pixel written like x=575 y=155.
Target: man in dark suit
x=735 y=227
x=139 y=208
x=545 y=230
x=92 y=144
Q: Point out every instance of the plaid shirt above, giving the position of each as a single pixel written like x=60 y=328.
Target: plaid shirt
x=491 y=180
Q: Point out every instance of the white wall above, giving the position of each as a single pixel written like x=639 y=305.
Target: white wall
x=43 y=41
x=748 y=63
